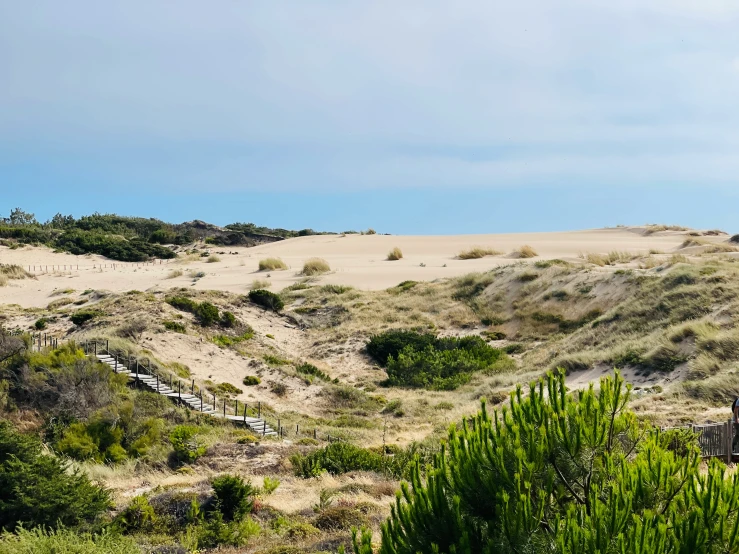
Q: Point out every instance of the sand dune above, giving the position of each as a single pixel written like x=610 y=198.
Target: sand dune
x=356 y=260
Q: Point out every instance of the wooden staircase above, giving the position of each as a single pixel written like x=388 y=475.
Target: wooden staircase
x=194 y=402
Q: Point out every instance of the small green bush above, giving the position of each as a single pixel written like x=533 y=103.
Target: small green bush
x=528 y=277
x=381 y=347
x=515 y=348
x=228 y=320
x=187 y=448
x=175 y=326
x=340 y=518
x=233 y=496
x=80 y=317
x=734 y=239
x=251 y=380
x=137 y=516
x=310 y=369
x=40 y=324
x=207 y=314
x=266 y=299
x=270 y=485
x=181 y=303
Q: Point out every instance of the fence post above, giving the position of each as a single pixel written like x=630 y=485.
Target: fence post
x=107 y=346
x=224 y=408
x=297 y=429
x=244 y=415
x=192 y=387
x=236 y=408
x=179 y=390
x=157 y=382
x=729 y=440
x=201 y=401
x=96 y=349
x=260 y=411
x=315 y=434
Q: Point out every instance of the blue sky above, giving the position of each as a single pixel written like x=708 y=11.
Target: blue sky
x=410 y=117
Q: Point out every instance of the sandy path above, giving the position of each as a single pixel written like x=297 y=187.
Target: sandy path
x=356 y=260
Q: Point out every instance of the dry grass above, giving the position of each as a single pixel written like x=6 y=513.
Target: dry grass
x=315 y=266
x=654 y=228
x=8 y=272
x=395 y=254
x=612 y=258
x=174 y=274
x=212 y=259
x=272 y=264
x=525 y=251
x=477 y=252
x=260 y=284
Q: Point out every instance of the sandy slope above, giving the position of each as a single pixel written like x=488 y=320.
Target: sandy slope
x=356 y=260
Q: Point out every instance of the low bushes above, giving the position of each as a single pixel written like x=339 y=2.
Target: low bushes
x=342 y=457
x=310 y=369
x=206 y=313
x=395 y=254
x=251 y=380
x=734 y=239
x=272 y=264
x=234 y=497
x=187 y=448
x=42 y=541
x=423 y=360
x=315 y=266
x=175 y=326
x=80 y=317
x=266 y=299
x=381 y=347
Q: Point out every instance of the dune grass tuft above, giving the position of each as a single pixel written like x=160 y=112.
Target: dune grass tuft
x=477 y=252
x=272 y=264
x=260 y=284
x=174 y=274
x=213 y=259
x=315 y=266
x=613 y=257
x=525 y=251
x=395 y=254
x=8 y=272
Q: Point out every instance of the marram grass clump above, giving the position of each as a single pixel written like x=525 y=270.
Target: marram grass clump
x=477 y=252
x=525 y=251
x=395 y=254
x=315 y=266
x=272 y=264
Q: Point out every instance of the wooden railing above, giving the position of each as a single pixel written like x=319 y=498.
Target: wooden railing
x=715 y=439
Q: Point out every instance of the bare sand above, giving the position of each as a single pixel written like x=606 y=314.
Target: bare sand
x=355 y=260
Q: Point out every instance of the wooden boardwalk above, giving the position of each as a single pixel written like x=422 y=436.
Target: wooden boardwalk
x=193 y=401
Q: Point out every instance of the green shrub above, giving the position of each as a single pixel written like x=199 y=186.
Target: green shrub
x=224 y=389
x=80 y=317
x=207 y=314
x=423 y=360
x=266 y=299
x=63 y=541
x=137 y=516
x=342 y=457
x=251 y=380
x=228 y=319
x=227 y=340
x=40 y=490
x=440 y=369
x=515 y=348
x=233 y=496
x=184 y=441
x=310 y=369
x=270 y=485
x=175 y=326
x=404 y=286
x=181 y=303
x=40 y=324
x=735 y=239
x=389 y=344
